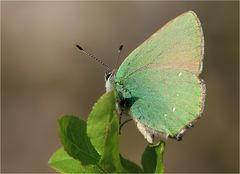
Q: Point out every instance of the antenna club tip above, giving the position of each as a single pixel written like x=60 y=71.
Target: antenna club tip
x=121 y=47
x=78 y=46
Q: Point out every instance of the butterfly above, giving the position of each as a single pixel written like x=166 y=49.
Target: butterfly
x=158 y=84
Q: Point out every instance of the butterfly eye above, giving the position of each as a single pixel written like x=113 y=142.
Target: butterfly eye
x=107 y=75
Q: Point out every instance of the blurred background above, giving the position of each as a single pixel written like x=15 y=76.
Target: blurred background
x=43 y=76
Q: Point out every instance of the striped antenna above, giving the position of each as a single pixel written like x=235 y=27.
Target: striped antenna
x=93 y=57
x=118 y=56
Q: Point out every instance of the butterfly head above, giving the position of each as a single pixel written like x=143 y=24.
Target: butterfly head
x=108 y=75
x=109 y=80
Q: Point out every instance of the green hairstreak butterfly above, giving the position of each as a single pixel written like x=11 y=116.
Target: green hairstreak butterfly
x=158 y=84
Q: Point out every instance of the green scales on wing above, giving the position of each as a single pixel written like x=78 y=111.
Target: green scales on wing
x=160 y=78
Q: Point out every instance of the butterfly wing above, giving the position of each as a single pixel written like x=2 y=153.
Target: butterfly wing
x=166 y=99
x=161 y=75
x=178 y=44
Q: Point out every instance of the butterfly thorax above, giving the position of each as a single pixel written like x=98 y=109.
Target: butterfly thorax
x=122 y=103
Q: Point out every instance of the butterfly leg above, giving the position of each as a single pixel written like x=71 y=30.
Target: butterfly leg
x=122 y=110
x=122 y=124
x=120 y=113
x=120 y=121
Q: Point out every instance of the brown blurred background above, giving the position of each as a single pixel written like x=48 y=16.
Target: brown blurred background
x=44 y=76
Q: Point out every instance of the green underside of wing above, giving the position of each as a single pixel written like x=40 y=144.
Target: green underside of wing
x=160 y=77
x=178 y=44
x=167 y=99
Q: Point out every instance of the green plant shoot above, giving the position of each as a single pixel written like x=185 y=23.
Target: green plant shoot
x=86 y=150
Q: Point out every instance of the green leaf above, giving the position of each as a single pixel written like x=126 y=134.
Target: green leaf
x=99 y=121
x=152 y=158
x=103 y=131
x=72 y=131
x=63 y=163
x=130 y=166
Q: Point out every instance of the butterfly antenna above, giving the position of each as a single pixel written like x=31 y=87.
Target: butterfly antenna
x=93 y=57
x=118 y=56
